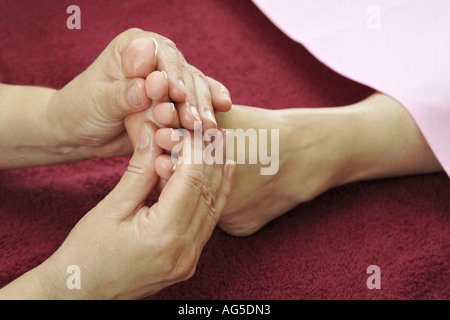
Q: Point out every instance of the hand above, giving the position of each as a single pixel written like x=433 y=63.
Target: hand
x=87 y=114
x=127 y=250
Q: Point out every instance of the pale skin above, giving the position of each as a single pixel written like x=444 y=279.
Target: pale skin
x=124 y=249
x=85 y=119
x=319 y=149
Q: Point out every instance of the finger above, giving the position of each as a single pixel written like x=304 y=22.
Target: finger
x=179 y=199
x=139 y=179
x=204 y=103
x=133 y=123
x=166 y=114
x=188 y=110
x=225 y=190
x=170 y=60
x=157 y=87
x=213 y=156
x=164 y=166
x=213 y=153
x=167 y=138
x=142 y=52
x=125 y=96
x=213 y=169
x=206 y=226
x=160 y=186
x=220 y=95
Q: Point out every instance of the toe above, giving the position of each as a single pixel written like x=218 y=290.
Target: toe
x=220 y=95
x=164 y=139
x=166 y=114
x=156 y=86
x=164 y=166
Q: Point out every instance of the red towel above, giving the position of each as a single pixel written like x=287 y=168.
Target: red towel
x=319 y=250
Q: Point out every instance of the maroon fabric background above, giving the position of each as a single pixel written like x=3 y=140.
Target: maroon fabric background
x=320 y=250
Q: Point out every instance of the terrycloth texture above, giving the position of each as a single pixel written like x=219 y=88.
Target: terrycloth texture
x=397 y=47
x=320 y=250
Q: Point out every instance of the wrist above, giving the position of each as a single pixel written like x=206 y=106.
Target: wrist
x=26 y=287
x=60 y=135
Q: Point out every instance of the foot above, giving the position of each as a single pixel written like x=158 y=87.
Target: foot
x=309 y=163
x=305 y=171
x=319 y=149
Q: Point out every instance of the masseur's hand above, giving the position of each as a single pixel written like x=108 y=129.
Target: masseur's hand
x=135 y=71
x=127 y=250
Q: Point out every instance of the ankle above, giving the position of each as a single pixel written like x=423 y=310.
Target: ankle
x=319 y=150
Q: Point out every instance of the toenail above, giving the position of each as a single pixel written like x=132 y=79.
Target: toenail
x=226 y=95
x=133 y=96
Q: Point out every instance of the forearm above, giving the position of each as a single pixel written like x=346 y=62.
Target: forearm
x=26 y=287
x=26 y=138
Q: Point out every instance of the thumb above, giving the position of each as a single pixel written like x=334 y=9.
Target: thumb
x=139 y=179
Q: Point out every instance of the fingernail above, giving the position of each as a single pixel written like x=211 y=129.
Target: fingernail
x=195 y=113
x=226 y=138
x=144 y=139
x=182 y=85
x=173 y=107
x=231 y=167
x=210 y=116
x=165 y=74
x=133 y=96
x=156 y=45
x=226 y=95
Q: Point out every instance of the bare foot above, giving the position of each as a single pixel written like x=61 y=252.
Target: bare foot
x=303 y=172
x=258 y=199
x=318 y=149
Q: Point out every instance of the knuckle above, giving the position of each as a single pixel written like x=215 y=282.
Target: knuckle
x=173 y=247
x=132 y=31
x=182 y=259
x=136 y=167
x=169 y=43
x=197 y=73
x=195 y=179
x=209 y=200
x=186 y=266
